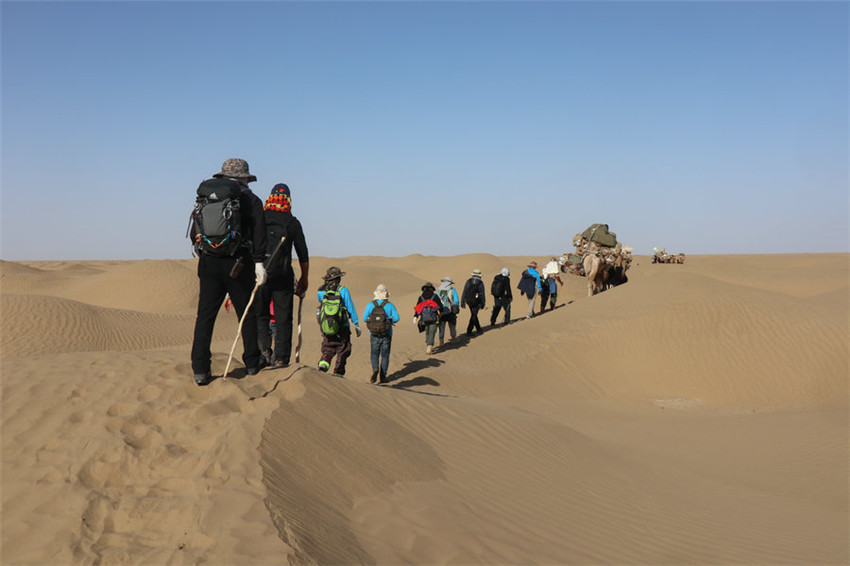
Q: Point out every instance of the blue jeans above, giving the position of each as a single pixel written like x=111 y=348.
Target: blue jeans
x=381 y=351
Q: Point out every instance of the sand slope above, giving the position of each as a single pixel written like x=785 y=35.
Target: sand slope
x=696 y=415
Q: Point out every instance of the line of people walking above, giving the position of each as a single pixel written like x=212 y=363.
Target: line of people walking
x=244 y=248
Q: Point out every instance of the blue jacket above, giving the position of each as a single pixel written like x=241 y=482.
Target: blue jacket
x=389 y=308
x=349 y=305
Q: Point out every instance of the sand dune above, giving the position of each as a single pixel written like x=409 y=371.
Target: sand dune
x=696 y=415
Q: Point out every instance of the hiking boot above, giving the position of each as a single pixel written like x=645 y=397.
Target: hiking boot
x=256 y=369
x=268 y=355
x=337 y=374
x=374 y=378
x=324 y=365
x=278 y=364
x=203 y=378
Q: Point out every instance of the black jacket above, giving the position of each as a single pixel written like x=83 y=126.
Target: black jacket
x=253 y=223
x=282 y=224
x=474 y=285
x=505 y=282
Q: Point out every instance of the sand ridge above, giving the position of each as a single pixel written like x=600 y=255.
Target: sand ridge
x=696 y=415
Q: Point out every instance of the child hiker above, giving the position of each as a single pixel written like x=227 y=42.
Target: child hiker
x=380 y=315
x=335 y=310
x=427 y=315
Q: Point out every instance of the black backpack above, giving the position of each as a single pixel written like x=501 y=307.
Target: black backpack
x=497 y=289
x=216 y=221
x=378 y=322
x=278 y=266
x=476 y=293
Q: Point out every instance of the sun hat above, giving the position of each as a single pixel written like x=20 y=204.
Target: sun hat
x=506 y=272
x=428 y=285
x=381 y=292
x=333 y=273
x=236 y=168
x=448 y=280
x=476 y=273
x=532 y=264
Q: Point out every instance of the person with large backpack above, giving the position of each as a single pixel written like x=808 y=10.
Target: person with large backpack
x=335 y=310
x=427 y=315
x=280 y=288
x=473 y=297
x=380 y=315
x=529 y=285
x=228 y=233
x=449 y=307
x=502 y=296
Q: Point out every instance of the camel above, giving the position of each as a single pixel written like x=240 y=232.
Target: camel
x=601 y=275
x=594 y=272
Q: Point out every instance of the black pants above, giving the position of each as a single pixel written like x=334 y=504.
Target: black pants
x=215 y=284
x=499 y=304
x=338 y=345
x=544 y=297
x=473 y=320
x=275 y=290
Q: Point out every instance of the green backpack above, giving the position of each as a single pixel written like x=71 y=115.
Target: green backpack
x=331 y=315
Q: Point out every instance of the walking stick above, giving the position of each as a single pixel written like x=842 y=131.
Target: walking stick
x=298 y=344
x=245 y=312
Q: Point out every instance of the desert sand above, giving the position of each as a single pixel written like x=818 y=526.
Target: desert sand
x=696 y=415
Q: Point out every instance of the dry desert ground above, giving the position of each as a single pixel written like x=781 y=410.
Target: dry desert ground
x=696 y=415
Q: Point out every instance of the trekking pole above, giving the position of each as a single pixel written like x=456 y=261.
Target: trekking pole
x=245 y=312
x=298 y=343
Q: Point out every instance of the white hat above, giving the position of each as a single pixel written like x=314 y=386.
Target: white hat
x=381 y=292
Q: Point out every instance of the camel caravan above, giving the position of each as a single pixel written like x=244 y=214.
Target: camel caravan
x=599 y=257
x=660 y=255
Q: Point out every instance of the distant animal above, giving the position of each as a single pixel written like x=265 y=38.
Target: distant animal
x=594 y=272
x=601 y=275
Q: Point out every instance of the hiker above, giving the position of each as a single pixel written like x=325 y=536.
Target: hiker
x=502 y=296
x=529 y=284
x=473 y=297
x=449 y=307
x=380 y=315
x=550 y=279
x=229 y=265
x=427 y=315
x=280 y=288
x=335 y=310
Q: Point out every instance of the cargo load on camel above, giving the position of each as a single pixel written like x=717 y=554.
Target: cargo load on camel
x=660 y=255
x=598 y=246
x=600 y=241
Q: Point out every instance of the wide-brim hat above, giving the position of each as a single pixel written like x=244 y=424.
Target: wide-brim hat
x=333 y=273
x=448 y=280
x=532 y=264
x=476 y=273
x=381 y=293
x=236 y=168
x=428 y=285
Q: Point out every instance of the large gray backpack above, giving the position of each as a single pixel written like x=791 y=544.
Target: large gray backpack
x=216 y=221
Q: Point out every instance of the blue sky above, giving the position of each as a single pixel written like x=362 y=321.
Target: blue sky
x=439 y=128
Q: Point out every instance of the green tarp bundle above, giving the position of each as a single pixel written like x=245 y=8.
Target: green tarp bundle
x=599 y=233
